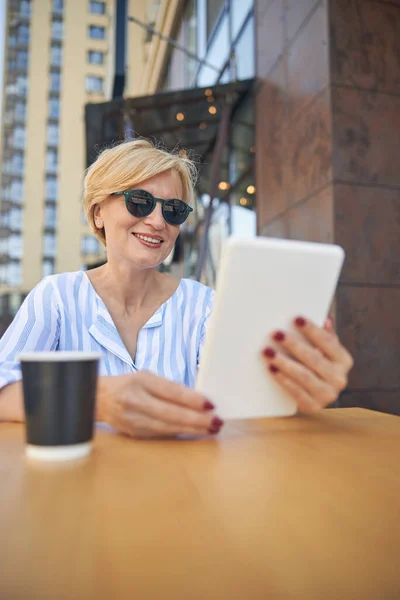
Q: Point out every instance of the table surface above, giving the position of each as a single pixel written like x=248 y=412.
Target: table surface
x=298 y=508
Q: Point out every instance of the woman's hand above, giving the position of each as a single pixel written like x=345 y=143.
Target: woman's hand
x=143 y=405
x=313 y=368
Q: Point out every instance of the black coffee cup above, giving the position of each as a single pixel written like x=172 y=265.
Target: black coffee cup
x=59 y=399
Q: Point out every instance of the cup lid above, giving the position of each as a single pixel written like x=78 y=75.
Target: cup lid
x=58 y=356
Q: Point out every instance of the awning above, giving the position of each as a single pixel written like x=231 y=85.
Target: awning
x=188 y=118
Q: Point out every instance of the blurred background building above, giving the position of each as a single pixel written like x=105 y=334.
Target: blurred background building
x=291 y=107
x=56 y=59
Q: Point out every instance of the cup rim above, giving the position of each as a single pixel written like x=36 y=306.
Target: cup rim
x=59 y=356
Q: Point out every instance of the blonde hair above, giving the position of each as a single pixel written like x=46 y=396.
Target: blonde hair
x=128 y=164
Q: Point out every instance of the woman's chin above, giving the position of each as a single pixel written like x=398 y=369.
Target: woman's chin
x=147 y=259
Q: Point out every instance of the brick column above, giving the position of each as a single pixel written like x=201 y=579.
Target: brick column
x=328 y=166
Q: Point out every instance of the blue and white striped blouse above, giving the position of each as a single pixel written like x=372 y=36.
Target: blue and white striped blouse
x=64 y=312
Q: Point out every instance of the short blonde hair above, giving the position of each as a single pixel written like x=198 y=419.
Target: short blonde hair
x=128 y=164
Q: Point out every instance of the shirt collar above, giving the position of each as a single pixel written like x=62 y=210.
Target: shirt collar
x=105 y=333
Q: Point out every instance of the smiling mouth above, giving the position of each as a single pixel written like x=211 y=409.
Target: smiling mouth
x=149 y=239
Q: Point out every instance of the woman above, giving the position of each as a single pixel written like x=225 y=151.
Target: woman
x=149 y=328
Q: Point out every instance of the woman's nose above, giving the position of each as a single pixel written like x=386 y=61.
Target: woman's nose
x=156 y=219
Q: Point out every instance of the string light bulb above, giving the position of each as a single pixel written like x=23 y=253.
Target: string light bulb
x=223 y=185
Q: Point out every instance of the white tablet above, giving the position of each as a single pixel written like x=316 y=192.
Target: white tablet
x=263 y=284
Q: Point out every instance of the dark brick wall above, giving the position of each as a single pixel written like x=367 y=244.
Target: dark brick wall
x=328 y=167
x=365 y=77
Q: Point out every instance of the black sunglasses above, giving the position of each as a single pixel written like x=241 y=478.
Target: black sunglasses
x=141 y=203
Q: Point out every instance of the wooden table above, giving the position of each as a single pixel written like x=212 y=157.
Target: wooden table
x=300 y=508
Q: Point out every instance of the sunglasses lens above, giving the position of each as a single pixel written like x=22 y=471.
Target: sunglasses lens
x=175 y=212
x=139 y=204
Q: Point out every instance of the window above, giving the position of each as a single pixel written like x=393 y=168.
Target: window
x=97 y=33
x=56 y=56
x=190 y=33
x=244 y=52
x=22 y=60
x=15 y=219
x=13 y=274
x=239 y=11
x=17 y=163
x=51 y=188
x=89 y=245
x=19 y=137
x=49 y=245
x=58 y=6
x=11 y=89
x=22 y=85
x=47 y=267
x=5 y=219
x=214 y=8
x=51 y=161
x=20 y=111
x=95 y=57
x=15 y=245
x=5 y=192
x=55 y=81
x=54 y=108
x=97 y=8
x=217 y=55
x=23 y=35
x=50 y=216
x=53 y=134
x=94 y=84
x=25 y=8
x=56 y=30
x=12 y=219
x=16 y=191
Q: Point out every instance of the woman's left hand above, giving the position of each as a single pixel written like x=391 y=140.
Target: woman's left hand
x=313 y=368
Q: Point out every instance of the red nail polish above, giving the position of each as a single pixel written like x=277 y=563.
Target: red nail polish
x=279 y=336
x=216 y=423
x=208 y=405
x=273 y=369
x=269 y=352
x=214 y=430
x=300 y=321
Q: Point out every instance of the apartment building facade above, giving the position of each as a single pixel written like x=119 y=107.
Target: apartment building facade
x=56 y=58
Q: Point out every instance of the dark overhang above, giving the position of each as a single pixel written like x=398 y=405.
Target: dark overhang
x=186 y=118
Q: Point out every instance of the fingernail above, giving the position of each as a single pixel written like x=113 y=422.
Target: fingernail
x=208 y=405
x=214 y=430
x=279 y=336
x=300 y=321
x=216 y=423
x=269 y=352
x=331 y=321
x=273 y=369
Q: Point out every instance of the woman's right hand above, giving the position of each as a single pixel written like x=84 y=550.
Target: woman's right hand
x=144 y=405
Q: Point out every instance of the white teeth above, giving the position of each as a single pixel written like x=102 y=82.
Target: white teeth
x=148 y=239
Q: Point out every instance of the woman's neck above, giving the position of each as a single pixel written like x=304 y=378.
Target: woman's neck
x=129 y=287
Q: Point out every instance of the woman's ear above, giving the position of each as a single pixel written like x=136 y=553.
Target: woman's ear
x=98 y=221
